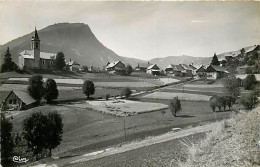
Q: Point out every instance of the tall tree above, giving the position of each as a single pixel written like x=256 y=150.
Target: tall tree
x=232 y=86
x=88 y=88
x=215 y=60
x=59 y=62
x=8 y=64
x=55 y=130
x=128 y=70
x=35 y=87
x=7 y=142
x=50 y=90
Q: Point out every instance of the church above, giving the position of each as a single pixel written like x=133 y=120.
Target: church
x=34 y=58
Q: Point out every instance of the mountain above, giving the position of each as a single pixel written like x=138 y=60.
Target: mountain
x=75 y=40
x=164 y=62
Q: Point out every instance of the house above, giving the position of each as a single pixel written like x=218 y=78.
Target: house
x=20 y=100
x=153 y=69
x=73 y=66
x=117 y=67
x=34 y=58
x=251 y=49
x=193 y=69
x=215 y=72
x=142 y=67
x=187 y=70
x=201 y=72
x=173 y=70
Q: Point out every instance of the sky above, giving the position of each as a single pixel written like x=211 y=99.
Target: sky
x=144 y=30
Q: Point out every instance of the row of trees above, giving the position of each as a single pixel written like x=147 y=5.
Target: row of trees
x=38 y=89
x=40 y=132
x=221 y=102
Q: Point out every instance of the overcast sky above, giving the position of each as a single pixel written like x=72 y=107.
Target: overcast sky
x=144 y=30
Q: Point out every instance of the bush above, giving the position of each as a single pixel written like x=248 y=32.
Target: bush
x=213 y=103
x=107 y=96
x=175 y=106
x=249 y=101
x=128 y=70
x=250 y=82
x=126 y=92
x=88 y=88
x=210 y=82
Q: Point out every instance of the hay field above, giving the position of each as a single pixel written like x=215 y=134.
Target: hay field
x=181 y=96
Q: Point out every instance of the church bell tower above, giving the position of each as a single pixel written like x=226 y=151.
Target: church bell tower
x=35 y=46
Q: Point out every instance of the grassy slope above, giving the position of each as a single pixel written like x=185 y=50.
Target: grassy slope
x=232 y=144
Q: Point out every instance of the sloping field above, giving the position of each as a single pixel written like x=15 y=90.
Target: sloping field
x=181 y=96
x=122 y=107
x=234 y=143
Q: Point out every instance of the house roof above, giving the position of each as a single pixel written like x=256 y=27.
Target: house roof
x=186 y=67
x=217 y=68
x=153 y=66
x=28 y=54
x=23 y=96
x=73 y=63
x=192 y=67
x=174 y=67
x=201 y=69
x=113 y=64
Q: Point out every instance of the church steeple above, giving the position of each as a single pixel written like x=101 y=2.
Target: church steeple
x=35 y=40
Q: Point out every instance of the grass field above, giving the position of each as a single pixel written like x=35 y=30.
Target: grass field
x=181 y=96
x=86 y=130
x=122 y=107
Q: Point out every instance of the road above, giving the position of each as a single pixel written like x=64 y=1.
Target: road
x=149 y=152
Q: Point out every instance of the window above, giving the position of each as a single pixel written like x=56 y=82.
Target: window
x=14 y=102
x=51 y=62
x=10 y=101
x=43 y=62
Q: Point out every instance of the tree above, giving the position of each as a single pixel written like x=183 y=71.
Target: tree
x=8 y=64
x=232 y=85
x=59 y=62
x=85 y=68
x=42 y=132
x=7 y=142
x=50 y=90
x=126 y=92
x=88 y=88
x=175 y=106
x=35 y=87
x=230 y=100
x=248 y=70
x=250 y=82
x=215 y=60
x=221 y=102
x=128 y=70
x=54 y=132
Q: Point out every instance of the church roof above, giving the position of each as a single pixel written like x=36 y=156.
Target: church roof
x=28 y=54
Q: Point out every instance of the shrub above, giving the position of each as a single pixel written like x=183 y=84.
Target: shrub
x=107 y=96
x=126 y=92
x=88 y=88
x=250 y=82
x=213 y=103
x=210 y=82
x=175 y=106
x=128 y=70
x=249 y=101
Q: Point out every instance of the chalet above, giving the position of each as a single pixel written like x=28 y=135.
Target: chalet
x=201 y=72
x=173 y=70
x=34 y=58
x=117 y=67
x=153 y=69
x=215 y=72
x=73 y=66
x=193 y=69
x=187 y=70
x=19 y=100
x=142 y=67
